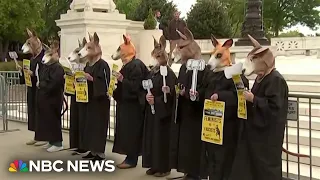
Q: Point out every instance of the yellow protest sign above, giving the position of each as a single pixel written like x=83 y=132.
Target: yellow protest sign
x=113 y=80
x=26 y=68
x=242 y=106
x=213 y=122
x=69 y=81
x=81 y=87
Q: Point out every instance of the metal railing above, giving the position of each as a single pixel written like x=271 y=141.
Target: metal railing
x=302 y=134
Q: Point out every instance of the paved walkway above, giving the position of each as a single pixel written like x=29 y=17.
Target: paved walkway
x=12 y=147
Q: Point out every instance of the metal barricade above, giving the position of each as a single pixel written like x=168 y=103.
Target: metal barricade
x=4 y=105
x=303 y=137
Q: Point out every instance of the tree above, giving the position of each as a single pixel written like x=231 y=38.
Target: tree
x=150 y=23
x=166 y=8
x=236 y=12
x=127 y=7
x=51 y=12
x=15 y=16
x=292 y=34
x=280 y=14
x=209 y=17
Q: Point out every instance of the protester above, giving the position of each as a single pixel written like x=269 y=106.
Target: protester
x=157 y=124
x=130 y=98
x=260 y=147
x=34 y=47
x=175 y=24
x=97 y=111
x=50 y=101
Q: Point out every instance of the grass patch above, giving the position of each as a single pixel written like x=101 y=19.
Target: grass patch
x=9 y=66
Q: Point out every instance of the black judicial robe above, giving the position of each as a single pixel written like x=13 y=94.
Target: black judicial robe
x=220 y=157
x=97 y=115
x=32 y=91
x=157 y=127
x=74 y=129
x=50 y=102
x=188 y=153
x=260 y=146
x=130 y=109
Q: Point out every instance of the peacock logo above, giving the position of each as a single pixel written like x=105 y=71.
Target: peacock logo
x=18 y=166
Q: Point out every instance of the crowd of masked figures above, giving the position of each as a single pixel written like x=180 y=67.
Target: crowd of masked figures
x=203 y=123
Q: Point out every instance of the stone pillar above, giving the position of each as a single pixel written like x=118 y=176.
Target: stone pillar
x=253 y=25
x=89 y=16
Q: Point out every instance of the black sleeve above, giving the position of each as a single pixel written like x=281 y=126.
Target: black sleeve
x=55 y=81
x=165 y=109
x=101 y=80
x=229 y=96
x=132 y=85
x=267 y=109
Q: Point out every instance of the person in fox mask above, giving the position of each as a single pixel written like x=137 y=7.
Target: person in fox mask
x=130 y=98
x=158 y=124
x=97 y=110
x=220 y=88
x=260 y=146
x=186 y=157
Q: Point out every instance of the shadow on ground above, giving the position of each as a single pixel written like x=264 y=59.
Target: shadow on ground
x=12 y=147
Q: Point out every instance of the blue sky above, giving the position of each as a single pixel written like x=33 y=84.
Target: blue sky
x=185 y=5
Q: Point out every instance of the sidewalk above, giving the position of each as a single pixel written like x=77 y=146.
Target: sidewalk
x=12 y=147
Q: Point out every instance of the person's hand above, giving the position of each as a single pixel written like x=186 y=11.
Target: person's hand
x=183 y=92
x=119 y=76
x=193 y=93
x=150 y=99
x=30 y=72
x=214 y=97
x=18 y=67
x=88 y=76
x=166 y=89
x=38 y=84
x=248 y=96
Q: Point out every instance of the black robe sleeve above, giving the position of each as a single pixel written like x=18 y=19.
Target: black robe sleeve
x=54 y=81
x=163 y=109
x=266 y=109
x=101 y=80
x=131 y=86
x=229 y=96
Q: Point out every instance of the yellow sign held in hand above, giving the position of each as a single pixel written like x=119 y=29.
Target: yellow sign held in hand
x=213 y=122
x=113 y=80
x=26 y=69
x=81 y=87
x=242 y=106
x=69 y=81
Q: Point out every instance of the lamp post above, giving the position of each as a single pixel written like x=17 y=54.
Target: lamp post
x=253 y=25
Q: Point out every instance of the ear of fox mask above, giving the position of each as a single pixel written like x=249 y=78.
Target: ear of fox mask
x=90 y=37
x=163 y=42
x=79 y=43
x=30 y=33
x=155 y=42
x=188 y=34
x=84 y=42
x=96 y=38
x=255 y=43
x=126 y=39
x=214 y=41
x=228 y=43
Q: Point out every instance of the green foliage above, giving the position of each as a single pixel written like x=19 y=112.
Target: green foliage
x=150 y=23
x=209 y=17
x=291 y=34
x=236 y=12
x=127 y=7
x=166 y=8
x=50 y=12
x=16 y=15
x=9 y=66
x=280 y=14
